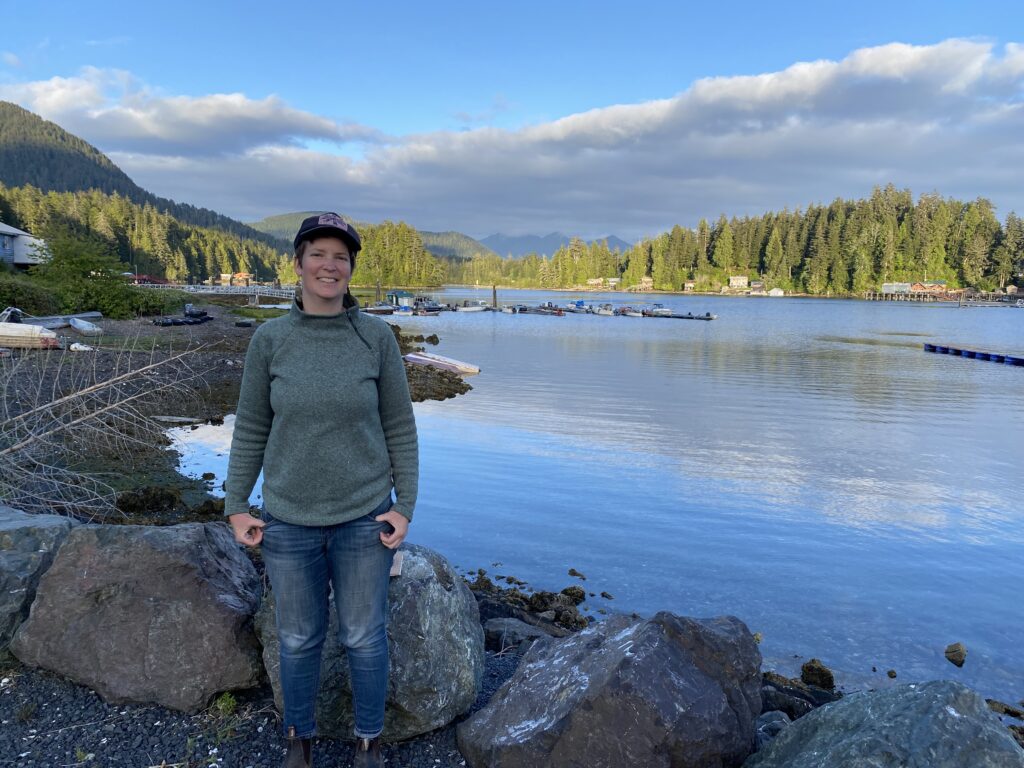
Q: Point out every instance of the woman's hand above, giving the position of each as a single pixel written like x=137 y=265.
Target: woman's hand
x=399 y=524
x=248 y=530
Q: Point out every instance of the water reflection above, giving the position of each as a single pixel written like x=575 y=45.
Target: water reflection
x=791 y=463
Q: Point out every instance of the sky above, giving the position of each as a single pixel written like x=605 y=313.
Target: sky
x=588 y=118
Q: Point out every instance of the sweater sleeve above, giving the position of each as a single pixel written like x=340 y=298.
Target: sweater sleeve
x=399 y=423
x=253 y=419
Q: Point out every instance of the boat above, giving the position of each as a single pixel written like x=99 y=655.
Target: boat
x=84 y=327
x=53 y=322
x=380 y=309
x=605 y=309
x=405 y=309
x=477 y=306
x=25 y=336
x=629 y=312
x=658 y=310
x=444 y=363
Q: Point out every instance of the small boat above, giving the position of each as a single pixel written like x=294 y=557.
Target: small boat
x=477 y=306
x=605 y=309
x=629 y=312
x=444 y=363
x=25 y=336
x=380 y=309
x=84 y=327
x=53 y=322
x=658 y=310
x=405 y=309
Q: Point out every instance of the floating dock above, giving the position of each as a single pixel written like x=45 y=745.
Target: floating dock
x=974 y=354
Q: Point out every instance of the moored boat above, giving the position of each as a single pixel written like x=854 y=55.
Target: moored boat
x=379 y=309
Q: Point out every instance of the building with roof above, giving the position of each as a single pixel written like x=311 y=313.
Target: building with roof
x=19 y=248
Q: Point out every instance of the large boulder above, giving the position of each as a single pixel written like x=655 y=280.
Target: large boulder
x=436 y=649
x=147 y=614
x=28 y=544
x=668 y=691
x=940 y=724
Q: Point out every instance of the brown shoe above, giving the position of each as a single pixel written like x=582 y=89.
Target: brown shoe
x=300 y=752
x=368 y=754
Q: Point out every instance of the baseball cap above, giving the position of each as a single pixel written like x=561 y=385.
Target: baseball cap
x=328 y=225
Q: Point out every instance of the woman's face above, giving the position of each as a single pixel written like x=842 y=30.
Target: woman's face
x=324 y=272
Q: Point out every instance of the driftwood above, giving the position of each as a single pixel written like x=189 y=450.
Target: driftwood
x=59 y=407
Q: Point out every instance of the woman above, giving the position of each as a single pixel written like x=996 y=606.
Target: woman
x=324 y=411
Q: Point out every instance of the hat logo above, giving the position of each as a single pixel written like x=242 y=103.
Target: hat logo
x=331 y=220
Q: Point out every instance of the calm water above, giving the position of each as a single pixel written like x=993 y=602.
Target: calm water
x=801 y=464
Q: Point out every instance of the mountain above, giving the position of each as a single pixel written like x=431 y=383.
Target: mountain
x=454 y=245
x=284 y=225
x=512 y=245
x=39 y=153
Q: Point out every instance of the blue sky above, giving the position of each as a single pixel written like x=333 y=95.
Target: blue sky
x=590 y=118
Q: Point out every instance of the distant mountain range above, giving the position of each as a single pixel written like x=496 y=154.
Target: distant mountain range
x=508 y=245
x=37 y=152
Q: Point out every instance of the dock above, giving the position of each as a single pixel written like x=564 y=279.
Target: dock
x=974 y=354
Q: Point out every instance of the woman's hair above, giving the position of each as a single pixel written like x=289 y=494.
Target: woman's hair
x=300 y=250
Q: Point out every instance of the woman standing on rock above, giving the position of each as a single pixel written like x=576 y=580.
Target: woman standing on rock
x=324 y=411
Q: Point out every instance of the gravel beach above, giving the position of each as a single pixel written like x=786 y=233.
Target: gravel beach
x=46 y=722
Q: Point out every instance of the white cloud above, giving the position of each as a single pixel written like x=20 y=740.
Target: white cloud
x=10 y=59
x=946 y=117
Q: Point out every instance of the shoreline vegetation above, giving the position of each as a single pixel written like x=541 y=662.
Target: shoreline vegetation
x=51 y=721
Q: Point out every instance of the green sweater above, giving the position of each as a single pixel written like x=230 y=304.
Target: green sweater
x=324 y=410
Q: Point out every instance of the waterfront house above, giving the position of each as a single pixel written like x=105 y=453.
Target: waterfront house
x=399 y=298
x=738 y=282
x=929 y=286
x=20 y=249
x=776 y=292
x=646 y=284
x=613 y=282
x=689 y=286
x=757 y=288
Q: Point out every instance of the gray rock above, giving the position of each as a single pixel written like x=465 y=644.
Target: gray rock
x=503 y=634
x=668 y=691
x=28 y=544
x=436 y=647
x=147 y=614
x=769 y=725
x=940 y=724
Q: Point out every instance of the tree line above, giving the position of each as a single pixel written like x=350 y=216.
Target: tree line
x=148 y=241
x=846 y=247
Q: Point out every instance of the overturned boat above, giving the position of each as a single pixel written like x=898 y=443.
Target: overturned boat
x=444 y=363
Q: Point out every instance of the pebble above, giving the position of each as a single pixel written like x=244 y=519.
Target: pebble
x=127 y=736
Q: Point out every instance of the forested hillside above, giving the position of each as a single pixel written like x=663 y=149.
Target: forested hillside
x=847 y=247
x=37 y=152
x=454 y=245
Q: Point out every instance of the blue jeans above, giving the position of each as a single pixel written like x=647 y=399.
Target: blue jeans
x=302 y=562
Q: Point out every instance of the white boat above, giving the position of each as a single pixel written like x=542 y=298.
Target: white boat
x=605 y=309
x=25 y=336
x=477 y=306
x=404 y=310
x=53 y=322
x=380 y=309
x=444 y=363
x=84 y=327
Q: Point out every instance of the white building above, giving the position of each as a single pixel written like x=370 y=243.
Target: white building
x=19 y=249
